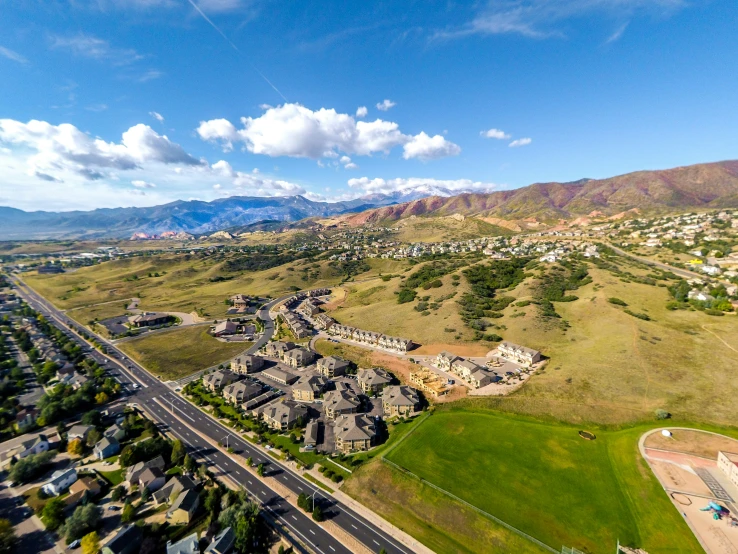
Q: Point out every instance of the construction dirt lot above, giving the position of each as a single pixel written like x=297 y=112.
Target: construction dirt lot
x=686 y=465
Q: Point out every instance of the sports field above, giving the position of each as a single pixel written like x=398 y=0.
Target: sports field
x=547 y=481
x=176 y=353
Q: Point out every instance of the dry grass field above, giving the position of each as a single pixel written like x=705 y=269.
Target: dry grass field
x=439 y=229
x=176 y=353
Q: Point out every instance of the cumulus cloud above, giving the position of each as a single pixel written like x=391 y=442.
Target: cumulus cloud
x=520 y=142
x=142 y=184
x=438 y=187
x=299 y=132
x=253 y=184
x=386 y=105
x=361 y=111
x=64 y=148
x=495 y=134
x=12 y=55
x=426 y=148
x=157 y=116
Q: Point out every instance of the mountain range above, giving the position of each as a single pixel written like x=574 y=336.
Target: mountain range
x=711 y=185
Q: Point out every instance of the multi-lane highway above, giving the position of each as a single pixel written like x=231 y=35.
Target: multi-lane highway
x=191 y=424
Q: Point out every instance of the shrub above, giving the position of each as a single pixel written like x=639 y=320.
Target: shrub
x=492 y=337
x=662 y=414
x=616 y=301
x=711 y=311
x=405 y=296
x=523 y=303
x=644 y=317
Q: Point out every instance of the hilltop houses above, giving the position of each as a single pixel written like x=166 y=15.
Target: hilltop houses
x=354 y=433
x=395 y=344
x=518 y=354
x=331 y=367
x=373 y=380
x=400 y=401
x=246 y=364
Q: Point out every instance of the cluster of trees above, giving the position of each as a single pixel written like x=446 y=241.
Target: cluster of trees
x=145 y=450
x=553 y=285
x=266 y=258
x=719 y=303
x=27 y=469
x=427 y=277
x=312 y=505
x=243 y=516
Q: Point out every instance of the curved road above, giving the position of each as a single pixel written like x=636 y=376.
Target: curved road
x=189 y=423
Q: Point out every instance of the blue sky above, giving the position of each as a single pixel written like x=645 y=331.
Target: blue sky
x=111 y=103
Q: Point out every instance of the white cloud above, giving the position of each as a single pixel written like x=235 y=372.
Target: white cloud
x=57 y=149
x=495 y=134
x=425 y=147
x=253 y=184
x=296 y=131
x=12 y=55
x=157 y=116
x=148 y=75
x=351 y=165
x=361 y=111
x=520 y=142
x=538 y=18
x=439 y=187
x=386 y=105
x=617 y=33
x=142 y=184
x=88 y=46
x=97 y=108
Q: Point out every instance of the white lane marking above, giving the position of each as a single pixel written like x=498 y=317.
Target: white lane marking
x=250 y=483
x=375 y=542
x=354 y=526
x=313 y=532
x=293 y=517
x=329 y=546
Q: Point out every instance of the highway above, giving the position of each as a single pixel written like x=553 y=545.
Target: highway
x=187 y=422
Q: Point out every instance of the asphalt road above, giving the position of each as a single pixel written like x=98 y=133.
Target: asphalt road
x=183 y=419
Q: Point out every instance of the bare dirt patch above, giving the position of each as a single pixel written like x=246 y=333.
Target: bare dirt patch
x=468 y=350
x=697 y=443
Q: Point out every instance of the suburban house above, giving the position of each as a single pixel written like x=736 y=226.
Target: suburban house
x=354 y=432
x=299 y=357
x=279 y=375
x=188 y=545
x=241 y=391
x=115 y=431
x=79 y=432
x=400 y=401
x=324 y=321
x=429 y=382
x=126 y=541
x=151 y=478
x=308 y=308
x=218 y=379
x=225 y=328
x=277 y=349
x=318 y=292
x=728 y=464
x=331 y=367
x=239 y=301
x=282 y=415
x=445 y=360
x=83 y=488
x=25 y=419
x=65 y=372
x=77 y=381
x=222 y=543
x=134 y=472
x=175 y=485
x=184 y=507
x=149 y=319
x=341 y=401
x=371 y=338
x=60 y=481
x=373 y=380
x=295 y=324
x=33 y=446
x=247 y=364
x=308 y=388
x=482 y=378
x=518 y=354
x=464 y=368
x=106 y=447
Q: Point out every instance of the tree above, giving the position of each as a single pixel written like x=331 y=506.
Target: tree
x=145 y=494
x=260 y=470
x=90 y=543
x=53 y=514
x=189 y=464
x=7 y=537
x=92 y=437
x=128 y=512
x=118 y=493
x=75 y=447
x=202 y=471
x=82 y=521
x=178 y=452
x=318 y=513
x=101 y=397
x=212 y=501
x=30 y=467
x=92 y=417
x=249 y=461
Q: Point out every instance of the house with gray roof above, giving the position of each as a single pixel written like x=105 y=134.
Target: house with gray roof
x=308 y=388
x=400 y=401
x=298 y=357
x=331 y=366
x=218 y=379
x=279 y=375
x=354 y=432
x=175 y=485
x=278 y=348
x=282 y=415
x=106 y=447
x=133 y=472
x=340 y=401
x=373 y=380
x=241 y=391
x=126 y=541
x=188 y=545
x=222 y=543
x=246 y=363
